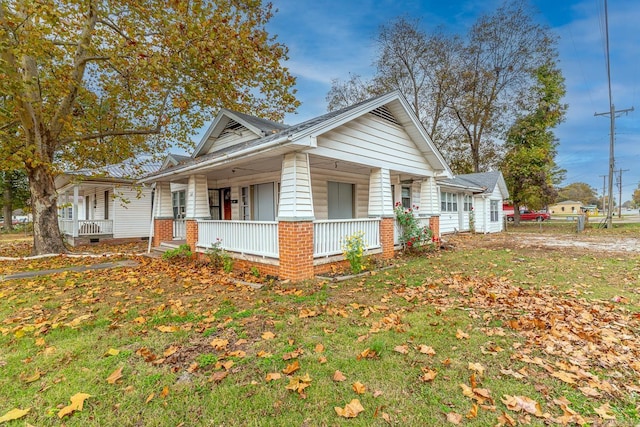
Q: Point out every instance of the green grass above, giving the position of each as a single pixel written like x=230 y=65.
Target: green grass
x=424 y=302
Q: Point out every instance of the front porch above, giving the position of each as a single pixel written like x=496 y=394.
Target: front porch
x=84 y=231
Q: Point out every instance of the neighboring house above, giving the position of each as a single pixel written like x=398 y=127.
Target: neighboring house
x=473 y=202
x=283 y=198
x=568 y=207
x=104 y=204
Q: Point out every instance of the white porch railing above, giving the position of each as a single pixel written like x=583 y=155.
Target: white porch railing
x=247 y=237
x=329 y=235
x=87 y=227
x=179 y=229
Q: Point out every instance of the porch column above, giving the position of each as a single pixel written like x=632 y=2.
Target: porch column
x=429 y=197
x=163 y=214
x=434 y=225
x=381 y=205
x=76 y=194
x=295 y=219
x=197 y=207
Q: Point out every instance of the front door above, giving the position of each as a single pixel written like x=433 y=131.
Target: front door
x=226 y=203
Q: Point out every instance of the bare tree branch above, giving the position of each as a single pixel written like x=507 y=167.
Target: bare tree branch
x=105 y=134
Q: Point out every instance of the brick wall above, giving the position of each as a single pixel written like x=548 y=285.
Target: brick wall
x=386 y=237
x=434 y=225
x=295 y=240
x=162 y=230
x=192 y=233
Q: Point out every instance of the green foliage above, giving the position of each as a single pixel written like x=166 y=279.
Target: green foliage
x=255 y=271
x=578 y=191
x=353 y=251
x=529 y=165
x=182 y=252
x=217 y=255
x=413 y=236
x=206 y=359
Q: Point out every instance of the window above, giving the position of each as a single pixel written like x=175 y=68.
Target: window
x=106 y=204
x=406 y=197
x=245 y=207
x=448 y=202
x=179 y=204
x=468 y=203
x=340 y=200
x=214 y=204
x=258 y=202
x=494 y=211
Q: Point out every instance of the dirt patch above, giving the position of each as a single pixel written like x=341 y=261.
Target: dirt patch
x=580 y=243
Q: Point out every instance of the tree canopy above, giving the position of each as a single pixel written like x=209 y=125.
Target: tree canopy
x=88 y=83
x=467 y=89
x=580 y=192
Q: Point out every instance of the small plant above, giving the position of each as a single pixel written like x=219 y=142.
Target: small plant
x=413 y=234
x=206 y=359
x=179 y=253
x=227 y=263
x=216 y=254
x=353 y=251
x=255 y=272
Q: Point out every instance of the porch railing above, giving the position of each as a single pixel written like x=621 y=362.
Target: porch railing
x=247 y=237
x=87 y=227
x=329 y=235
x=179 y=229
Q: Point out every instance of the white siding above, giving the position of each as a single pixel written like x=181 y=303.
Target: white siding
x=295 y=190
x=380 y=197
x=230 y=139
x=375 y=142
x=483 y=213
x=197 y=197
x=131 y=219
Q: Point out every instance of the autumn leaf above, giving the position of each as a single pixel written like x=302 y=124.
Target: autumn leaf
x=428 y=375
x=140 y=320
x=319 y=348
x=298 y=384
x=454 y=418
x=34 y=377
x=473 y=412
x=506 y=420
x=524 y=403
x=263 y=354
x=605 y=412
x=170 y=350
x=150 y=398
x=272 y=376
x=218 y=376
x=402 y=349
x=77 y=402
x=167 y=329
x=291 y=368
x=219 y=344
x=115 y=376
x=425 y=349
x=351 y=410
x=14 y=414
x=358 y=387
x=268 y=335
x=305 y=313
x=366 y=354
x=112 y=352
x=339 y=376
x=477 y=367
x=165 y=392
x=461 y=335
x=567 y=377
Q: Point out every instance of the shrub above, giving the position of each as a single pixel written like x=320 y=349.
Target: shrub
x=353 y=251
x=413 y=235
x=179 y=253
x=218 y=257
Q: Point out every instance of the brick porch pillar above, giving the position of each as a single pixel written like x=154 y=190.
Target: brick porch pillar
x=295 y=241
x=434 y=225
x=192 y=233
x=162 y=230
x=386 y=237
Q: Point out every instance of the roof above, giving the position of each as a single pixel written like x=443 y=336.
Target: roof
x=480 y=182
x=126 y=172
x=568 y=202
x=270 y=133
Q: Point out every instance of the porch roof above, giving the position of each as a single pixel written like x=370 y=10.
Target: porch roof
x=302 y=135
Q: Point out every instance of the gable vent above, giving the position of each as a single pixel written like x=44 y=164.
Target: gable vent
x=384 y=113
x=232 y=127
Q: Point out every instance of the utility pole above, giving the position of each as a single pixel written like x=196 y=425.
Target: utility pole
x=612 y=116
x=619 y=182
x=604 y=177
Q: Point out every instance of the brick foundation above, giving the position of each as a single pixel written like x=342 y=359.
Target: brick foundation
x=295 y=241
x=162 y=230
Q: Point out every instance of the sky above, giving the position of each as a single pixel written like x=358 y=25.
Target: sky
x=329 y=39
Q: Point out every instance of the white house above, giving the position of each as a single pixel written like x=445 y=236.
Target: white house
x=105 y=204
x=283 y=198
x=473 y=202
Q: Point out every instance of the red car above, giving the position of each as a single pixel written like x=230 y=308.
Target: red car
x=531 y=216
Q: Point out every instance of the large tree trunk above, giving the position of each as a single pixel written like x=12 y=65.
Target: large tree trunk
x=7 y=206
x=47 y=238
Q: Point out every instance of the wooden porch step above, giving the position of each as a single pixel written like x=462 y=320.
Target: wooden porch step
x=166 y=246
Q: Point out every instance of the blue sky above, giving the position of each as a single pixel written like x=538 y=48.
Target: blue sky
x=330 y=38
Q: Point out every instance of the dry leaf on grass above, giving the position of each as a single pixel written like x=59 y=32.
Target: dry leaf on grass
x=358 y=387
x=77 y=402
x=115 y=376
x=339 y=376
x=351 y=410
x=14 y=414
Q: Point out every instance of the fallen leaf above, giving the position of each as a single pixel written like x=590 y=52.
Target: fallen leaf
x=218 y=376
x=268 y=335
x=428 y=375
x=165 y=392
x=77 y=402
x=506 y=420
x=170 y=350
x=604 y=411
x=168 y=329
x=115 y=376
x=219 y=344
x=461 y=335
x=291 y=368
x=298 y=384
x=402 y=349
x=351 y=409
x=263 y=354
x=473 y=412
x=319 y=348
x=477 y=367
x=150 y=397
x=426 y=349
x=524 y=403
x=454 y=418
x=272 y=376
x=112 y=352
x=358 y=387
x=339 y=376
x=14 y=414
x=567 y=377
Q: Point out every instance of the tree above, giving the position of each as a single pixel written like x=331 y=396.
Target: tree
x=636 y=196
x=89 y=83
x=15 y=194
x=579 y=191
x=529 y=167
x=467 y=90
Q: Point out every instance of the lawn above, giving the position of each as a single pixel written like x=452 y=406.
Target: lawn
x=483 y=333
